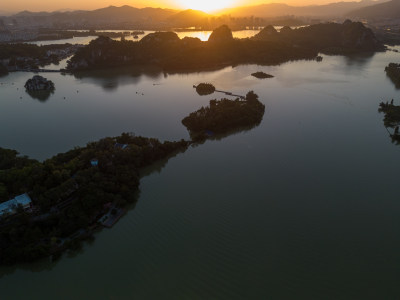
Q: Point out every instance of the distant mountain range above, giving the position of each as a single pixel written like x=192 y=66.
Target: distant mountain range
x=109 y=16
x=387 y=10
x=338 y=9
x=126 y=17
x=183 y=18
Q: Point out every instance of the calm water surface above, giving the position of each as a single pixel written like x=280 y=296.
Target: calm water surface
x=305 y=206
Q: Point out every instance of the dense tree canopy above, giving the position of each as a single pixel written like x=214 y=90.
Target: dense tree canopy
x=69 y=193
x=393 y=72
x=225 y=115
x=205 y=89
x=392 y=119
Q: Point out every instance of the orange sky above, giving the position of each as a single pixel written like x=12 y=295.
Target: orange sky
x=51 y=5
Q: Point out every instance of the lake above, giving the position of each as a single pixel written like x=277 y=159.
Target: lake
x=304 y=206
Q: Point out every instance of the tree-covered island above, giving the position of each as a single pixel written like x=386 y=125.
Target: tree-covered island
x=204 y=89
x=39 y=87
x=224 y=115
x=261 y=75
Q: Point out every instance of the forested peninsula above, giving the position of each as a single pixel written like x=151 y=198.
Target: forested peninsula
x=48 y=207
x=70 y=194
x=168 y=51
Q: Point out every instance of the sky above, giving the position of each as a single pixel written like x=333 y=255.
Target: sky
x=52 y=5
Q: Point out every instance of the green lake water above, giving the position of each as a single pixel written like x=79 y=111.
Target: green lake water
x=304 y=206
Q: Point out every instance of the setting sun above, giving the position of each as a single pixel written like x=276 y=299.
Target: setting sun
x=207 y=5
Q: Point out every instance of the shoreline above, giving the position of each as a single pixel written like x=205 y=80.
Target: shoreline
x=97 y=182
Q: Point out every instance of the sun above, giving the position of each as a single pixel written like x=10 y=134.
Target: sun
x=206 y=5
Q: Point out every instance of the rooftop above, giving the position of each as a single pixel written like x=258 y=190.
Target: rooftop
x=10 y=206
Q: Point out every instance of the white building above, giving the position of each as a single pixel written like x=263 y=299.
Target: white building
x=10 y=207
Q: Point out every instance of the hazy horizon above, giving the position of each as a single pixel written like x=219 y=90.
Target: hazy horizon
x=207 y=6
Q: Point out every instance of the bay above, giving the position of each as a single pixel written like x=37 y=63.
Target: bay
x=304 y=206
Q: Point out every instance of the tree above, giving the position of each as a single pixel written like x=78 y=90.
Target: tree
x=251 y=96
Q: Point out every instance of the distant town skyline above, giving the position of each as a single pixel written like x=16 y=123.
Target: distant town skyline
x=209 y=6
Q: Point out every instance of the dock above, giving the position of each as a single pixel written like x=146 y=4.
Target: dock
x=109 y=219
